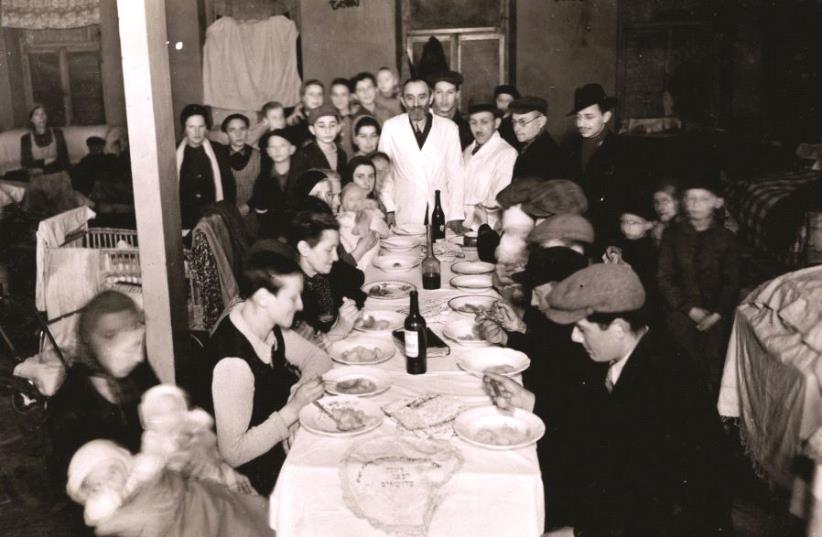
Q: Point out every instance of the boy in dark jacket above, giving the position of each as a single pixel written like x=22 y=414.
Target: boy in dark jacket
x=698 y=279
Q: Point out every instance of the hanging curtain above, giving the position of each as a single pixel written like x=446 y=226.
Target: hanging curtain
x=251 y=9
x=44 y=14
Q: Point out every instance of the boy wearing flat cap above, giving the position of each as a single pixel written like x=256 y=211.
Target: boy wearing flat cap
x=654 y=459
x=324 y=152
x=489 y=165
x=593 y=155
x=539 y=154
x=446 y=88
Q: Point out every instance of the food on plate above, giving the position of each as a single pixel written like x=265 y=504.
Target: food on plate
x=387 y=290
x=478 y=308
x=501 y=435
x=396 y=264
x=370 y=322
x=499 y=369
x=356 y=386
x=362 y=354
x=474 y=335
x=349 y=419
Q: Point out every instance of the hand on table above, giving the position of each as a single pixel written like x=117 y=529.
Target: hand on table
x=491 y=331
x=697 y=315
x=506 y=317
x=511 y=395
x=456 y=226
x=364 y=244
x=305 y=393
x=346 y=318
x=708 y=322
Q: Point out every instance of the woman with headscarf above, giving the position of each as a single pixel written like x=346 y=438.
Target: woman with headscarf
x=203 y=168
x=43 y=148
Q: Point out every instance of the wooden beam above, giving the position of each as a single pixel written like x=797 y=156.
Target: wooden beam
x=151 y=142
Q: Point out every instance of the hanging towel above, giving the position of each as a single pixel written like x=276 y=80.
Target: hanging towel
x=51 y=234
x=248 y=63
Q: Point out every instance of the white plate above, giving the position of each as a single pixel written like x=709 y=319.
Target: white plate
x=457 y=331
x=396 y=263
x=472 y=267
x=478 y=361
x=472 y=282
x=393 y=319
x=315 y=420
x=393 y=289
x=339 y=381
x=415 y=230
x=487 y=427
x=400 y=242
x=470 y=303
x=384 y=347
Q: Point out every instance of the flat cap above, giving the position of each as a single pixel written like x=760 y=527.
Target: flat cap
x=568 y=227
x=519 y=191
x=322 y=111
x=556 y=196
x=600 y=288
x=526 y=104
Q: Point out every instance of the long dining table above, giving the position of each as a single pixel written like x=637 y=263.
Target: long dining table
x=495 y=493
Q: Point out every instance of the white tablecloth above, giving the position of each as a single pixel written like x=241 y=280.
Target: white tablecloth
x=494 y=494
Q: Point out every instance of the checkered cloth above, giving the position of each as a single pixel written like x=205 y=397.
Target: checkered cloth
x=751 y=201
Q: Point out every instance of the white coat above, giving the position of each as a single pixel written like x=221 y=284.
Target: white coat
x=486 y=173
x=417 y=173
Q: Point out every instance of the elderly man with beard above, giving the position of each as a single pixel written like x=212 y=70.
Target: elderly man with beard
x=425 y=152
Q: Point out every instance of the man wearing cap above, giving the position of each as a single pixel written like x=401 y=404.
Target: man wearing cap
x=489 y=164
x=324 y=152
x=425 y=153
x=504 y=95
x=446 y=88
x=539 y=154
x=593 y=156
x=655 y=463
x=572 y=231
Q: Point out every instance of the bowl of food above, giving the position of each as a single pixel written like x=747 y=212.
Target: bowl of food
x=400 y=242
x=341 y=416
x=388 y=289
x=472 y=267
x=473 y=304
x=359 y=381
x=464 y=332
x=473 y=282
x=500 y=360
x=413 y=230
x=396 y=263
x=379 y=321
x=362 y=350
x=489 y=428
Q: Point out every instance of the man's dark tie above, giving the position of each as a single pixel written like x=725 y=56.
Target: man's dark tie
x=476 y=148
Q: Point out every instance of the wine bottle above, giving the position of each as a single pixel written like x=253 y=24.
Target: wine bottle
x=430 y=265
x=415 y=339
x=437 y=219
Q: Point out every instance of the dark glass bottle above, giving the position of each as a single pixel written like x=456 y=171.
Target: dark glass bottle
x=430 y=265
x=415 y=339
x=437 y=219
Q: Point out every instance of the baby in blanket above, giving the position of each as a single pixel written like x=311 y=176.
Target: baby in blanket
x=358 y=216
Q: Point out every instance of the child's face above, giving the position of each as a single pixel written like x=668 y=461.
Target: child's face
x=665 y=206
x=700 y=204
x=504 y=101
x=325 y=129
x=367 y=139
x=386 y=81
x=117 y=342
x=275 y=118
x=591 y=121
x=237 y=132
x=634 y=227
x=352 y=201
x=366 y=92
x=365 y=177
x=111 y=475
x=279 y=149
x=313 y=97
x=340 y=97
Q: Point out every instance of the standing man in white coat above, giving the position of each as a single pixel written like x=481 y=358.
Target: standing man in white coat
x=488 y=164
x=425 y=156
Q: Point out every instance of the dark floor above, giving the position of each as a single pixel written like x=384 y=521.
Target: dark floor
x=30 y=507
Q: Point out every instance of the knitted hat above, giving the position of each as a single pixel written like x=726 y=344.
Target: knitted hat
x=568 y=227
x=550 y=265
x=519 y=191
x=557 y=196
x=600 y=288
x=527 y=104
x=323 y=111
x=506 y=89
x=90 y=456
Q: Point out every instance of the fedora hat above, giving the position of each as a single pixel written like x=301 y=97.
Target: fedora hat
x=591 y=94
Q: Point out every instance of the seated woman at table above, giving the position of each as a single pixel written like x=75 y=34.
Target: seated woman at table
x=332 y=295
x=102 y=390
x=256 y=364
x=43 y=149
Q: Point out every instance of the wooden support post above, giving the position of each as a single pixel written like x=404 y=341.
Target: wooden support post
x=151 y=141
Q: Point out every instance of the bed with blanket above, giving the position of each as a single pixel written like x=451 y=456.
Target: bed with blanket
x=771 y=211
